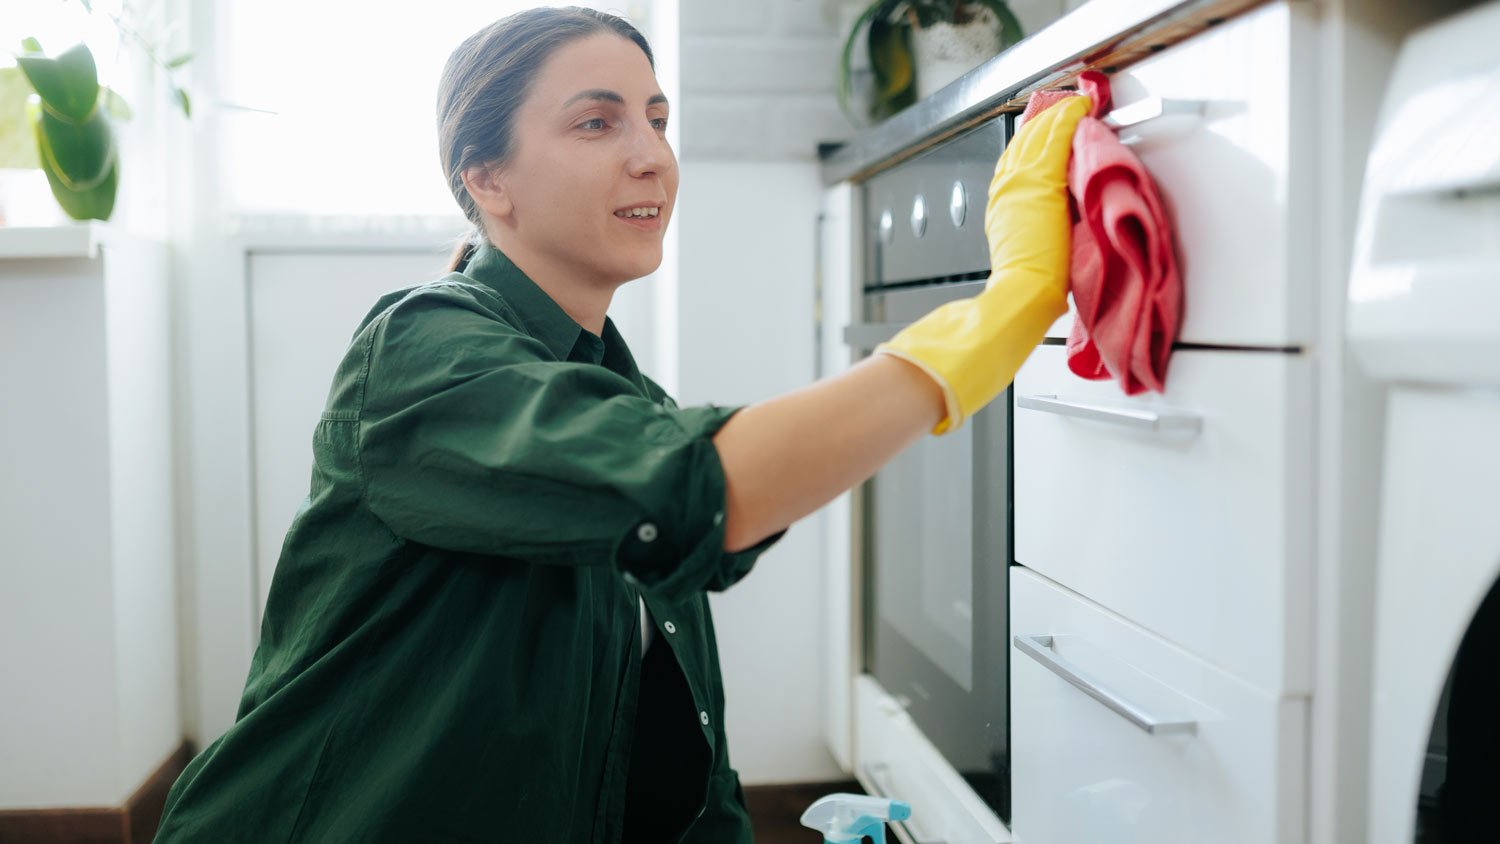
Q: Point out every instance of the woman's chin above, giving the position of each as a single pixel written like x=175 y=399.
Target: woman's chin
x=645 y=264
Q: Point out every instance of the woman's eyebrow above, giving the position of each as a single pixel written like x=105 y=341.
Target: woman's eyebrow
x=609 y=96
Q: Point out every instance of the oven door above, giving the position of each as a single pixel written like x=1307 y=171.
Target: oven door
x=936 y=528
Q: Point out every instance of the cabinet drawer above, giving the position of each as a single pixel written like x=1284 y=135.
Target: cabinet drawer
x=1231 y=772
x=1237 y=182
x=1202 y=536
x=894 y=759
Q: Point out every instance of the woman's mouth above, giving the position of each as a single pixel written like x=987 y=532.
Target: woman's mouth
x=646 y=217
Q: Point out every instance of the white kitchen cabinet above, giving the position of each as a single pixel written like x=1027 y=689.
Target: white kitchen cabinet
x=1180 y=752
x=1238 y=183
x=1187 y=512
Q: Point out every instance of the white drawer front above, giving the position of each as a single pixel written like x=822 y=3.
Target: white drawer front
x=1203 y=537
x=1240 y=194
x=894 y=759
x=1086 y=775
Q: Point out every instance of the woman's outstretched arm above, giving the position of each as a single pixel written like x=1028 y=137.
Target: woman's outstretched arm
x=788 y=456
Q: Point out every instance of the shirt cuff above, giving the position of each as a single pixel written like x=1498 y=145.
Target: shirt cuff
x=678 y=556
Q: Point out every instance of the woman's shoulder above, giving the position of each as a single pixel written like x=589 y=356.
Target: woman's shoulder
x=454 y=296
x=435 y=324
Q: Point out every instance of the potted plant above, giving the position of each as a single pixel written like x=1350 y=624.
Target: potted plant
x=918 y=46
x=68 y=121
x=55 y=116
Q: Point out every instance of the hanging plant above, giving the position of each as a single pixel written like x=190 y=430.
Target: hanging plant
x=888 y=26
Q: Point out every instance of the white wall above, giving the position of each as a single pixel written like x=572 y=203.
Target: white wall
x=88 y=625
x=757 y=97
x=55 y=602
x=746 y=299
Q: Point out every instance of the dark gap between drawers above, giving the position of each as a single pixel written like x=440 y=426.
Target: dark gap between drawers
x=1203 y=347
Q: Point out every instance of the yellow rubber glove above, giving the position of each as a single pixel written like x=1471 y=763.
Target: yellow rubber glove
x=973 y=347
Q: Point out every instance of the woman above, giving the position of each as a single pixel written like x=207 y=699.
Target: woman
x=489 y=620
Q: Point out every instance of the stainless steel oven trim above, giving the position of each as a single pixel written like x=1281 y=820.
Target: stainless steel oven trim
x=1107 y=36
x=887 y=311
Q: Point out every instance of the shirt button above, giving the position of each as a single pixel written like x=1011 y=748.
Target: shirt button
x=671 y=628
x=703 y=716
x=647 y=532
x=719 y=517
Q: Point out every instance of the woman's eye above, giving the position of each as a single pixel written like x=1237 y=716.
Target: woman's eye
x=659 y=122
x=588 y=124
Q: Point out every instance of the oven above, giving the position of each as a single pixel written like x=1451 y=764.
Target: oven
x=935 y=522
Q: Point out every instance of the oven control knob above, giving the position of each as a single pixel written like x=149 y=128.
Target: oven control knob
x=887 y=226
x=958 y=204
x=919 y=216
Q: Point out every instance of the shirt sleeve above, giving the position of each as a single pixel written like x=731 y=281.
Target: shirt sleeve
x=473 y=437
x=733 y=566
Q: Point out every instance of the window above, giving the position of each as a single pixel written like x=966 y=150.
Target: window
x=329 y=104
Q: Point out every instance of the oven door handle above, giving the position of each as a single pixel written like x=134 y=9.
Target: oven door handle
x=1129 y=417
x=870 y=771
x=1040 y=649
x=868 y=335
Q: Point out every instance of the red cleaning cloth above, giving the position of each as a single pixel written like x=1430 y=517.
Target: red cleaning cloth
x=1124 y=278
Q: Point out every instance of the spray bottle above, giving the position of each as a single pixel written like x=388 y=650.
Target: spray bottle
x=846 y=818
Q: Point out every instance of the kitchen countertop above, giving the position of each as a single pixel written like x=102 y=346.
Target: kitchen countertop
x=1102 y=34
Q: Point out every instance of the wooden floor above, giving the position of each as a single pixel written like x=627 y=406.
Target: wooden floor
x=775 y=810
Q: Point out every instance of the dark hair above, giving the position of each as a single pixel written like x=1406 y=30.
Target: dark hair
x=486 y=80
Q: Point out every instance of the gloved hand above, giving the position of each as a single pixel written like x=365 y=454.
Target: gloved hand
x=973 y=347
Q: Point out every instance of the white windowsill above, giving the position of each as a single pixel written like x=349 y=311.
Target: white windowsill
x=65 y=240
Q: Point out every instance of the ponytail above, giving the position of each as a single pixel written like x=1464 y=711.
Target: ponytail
x=463 y=249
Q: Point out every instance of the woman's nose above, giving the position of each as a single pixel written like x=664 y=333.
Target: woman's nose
x=649 y=152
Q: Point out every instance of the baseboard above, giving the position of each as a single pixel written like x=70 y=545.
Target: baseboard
x=776 y=810
x=133 y=823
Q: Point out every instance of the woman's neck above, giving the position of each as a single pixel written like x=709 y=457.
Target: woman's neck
x=585 y=300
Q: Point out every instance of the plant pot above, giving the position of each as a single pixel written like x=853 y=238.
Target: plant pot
x=944 y=51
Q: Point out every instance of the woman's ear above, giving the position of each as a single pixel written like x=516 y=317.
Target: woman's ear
x=486 y=185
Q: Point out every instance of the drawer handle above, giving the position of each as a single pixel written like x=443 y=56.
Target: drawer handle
x=1151 y=108
x=870 y=771
x=1040 y=649
x=1129 y=417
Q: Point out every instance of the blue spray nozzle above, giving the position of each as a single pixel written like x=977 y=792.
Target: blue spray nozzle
x=846 y=818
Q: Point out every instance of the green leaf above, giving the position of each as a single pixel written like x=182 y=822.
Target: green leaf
x=891 y=58
x=846 y=69
x=179 y=61
x=17 y=140
x=182 y=99
x=115 y=105
x=78 y=154
x=88 y=5
x=95 y=201
x=68 y=84
x=31 y=45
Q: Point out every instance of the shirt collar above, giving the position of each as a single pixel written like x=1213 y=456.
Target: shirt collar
x=544 y=319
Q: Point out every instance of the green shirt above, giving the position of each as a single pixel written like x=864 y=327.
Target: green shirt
x=451 y=649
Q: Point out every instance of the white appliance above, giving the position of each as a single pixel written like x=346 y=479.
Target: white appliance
x=1424 y=316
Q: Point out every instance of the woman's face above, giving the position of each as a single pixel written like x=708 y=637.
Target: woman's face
x=589 y=142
